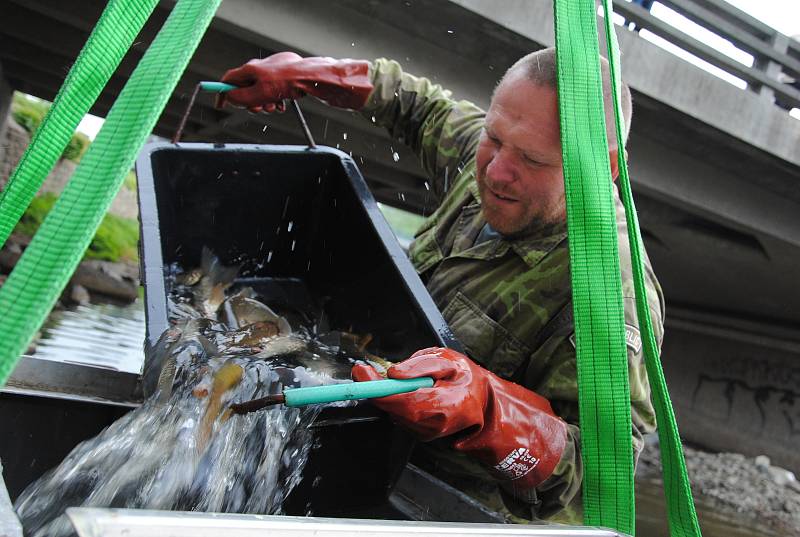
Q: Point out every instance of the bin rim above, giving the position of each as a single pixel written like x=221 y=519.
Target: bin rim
x=151 y=259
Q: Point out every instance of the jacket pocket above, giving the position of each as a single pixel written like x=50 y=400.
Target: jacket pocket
x=484 y=340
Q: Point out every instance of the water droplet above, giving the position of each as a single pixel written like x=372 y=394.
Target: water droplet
x=427 y=186
x=290 y=226
x=449 y=31
x=344 y=136
x=265 y=128
x=353 y=44
x=395 y=156
x=373 y=119
x=294 y=243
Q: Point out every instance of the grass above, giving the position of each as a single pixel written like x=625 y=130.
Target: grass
x=116 y=238
x=130 y=181
x=404 y=223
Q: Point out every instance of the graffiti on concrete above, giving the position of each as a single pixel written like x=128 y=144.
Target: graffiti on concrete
x=723 y=397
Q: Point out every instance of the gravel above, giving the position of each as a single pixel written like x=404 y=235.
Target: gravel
x=731 y=483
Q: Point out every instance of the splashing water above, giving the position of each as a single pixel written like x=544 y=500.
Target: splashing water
x=183 y=449
x=161 y=456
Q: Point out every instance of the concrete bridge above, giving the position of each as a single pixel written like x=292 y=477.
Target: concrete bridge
x=715 y=168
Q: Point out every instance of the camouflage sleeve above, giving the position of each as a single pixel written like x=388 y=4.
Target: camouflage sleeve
x=441 y=131
x=558 y=498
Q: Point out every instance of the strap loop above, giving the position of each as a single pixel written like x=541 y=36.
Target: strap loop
x=677 y=490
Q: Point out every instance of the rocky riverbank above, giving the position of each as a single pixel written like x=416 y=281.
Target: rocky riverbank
x=93 y=280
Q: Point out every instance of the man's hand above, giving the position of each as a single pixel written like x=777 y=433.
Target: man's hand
x=264 y=84
x=507 y=427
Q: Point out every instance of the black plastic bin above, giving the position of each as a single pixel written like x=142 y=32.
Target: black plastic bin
x=294 y=214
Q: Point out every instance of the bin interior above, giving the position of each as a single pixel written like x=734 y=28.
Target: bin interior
x=298 y=216
x=308 y=234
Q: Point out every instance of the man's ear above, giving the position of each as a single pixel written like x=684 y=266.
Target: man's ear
x=613 y=157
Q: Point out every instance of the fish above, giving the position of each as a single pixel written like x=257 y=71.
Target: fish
x=181 y=344
x=209 y=292
x=189 y=278
x=225 y=378
x=256 y=334
x=283 y=347
x=381 y=365
x=241 y=311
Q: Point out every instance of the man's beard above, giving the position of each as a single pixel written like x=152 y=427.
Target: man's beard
x=546 y=217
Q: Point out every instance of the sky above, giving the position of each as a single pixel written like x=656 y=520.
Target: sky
x=783 y=15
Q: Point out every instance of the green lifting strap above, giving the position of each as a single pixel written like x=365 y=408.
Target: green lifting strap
x=678 y=492
x=605 y=425
x=111 y=38
x=604 y=394
x=53 y=254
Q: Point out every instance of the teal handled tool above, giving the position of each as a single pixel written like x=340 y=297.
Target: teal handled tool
x=314 y=395
x=217 y=87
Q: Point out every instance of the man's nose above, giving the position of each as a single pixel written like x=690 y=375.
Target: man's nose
x=501 y=168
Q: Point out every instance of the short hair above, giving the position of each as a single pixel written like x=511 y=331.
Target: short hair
x=540 y=68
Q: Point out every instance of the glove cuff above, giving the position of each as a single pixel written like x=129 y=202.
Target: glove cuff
x=521 y=439
x=340 y=83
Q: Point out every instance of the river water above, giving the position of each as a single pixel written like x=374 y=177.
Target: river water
x=100 y=335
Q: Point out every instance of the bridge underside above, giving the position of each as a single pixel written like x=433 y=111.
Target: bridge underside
x=719 y=215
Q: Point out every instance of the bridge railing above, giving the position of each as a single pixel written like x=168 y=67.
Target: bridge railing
x=775 y=73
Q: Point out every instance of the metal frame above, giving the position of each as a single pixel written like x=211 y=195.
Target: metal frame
x=774 y=52
x=46 y=378
x=151 y=257
x=94 y=522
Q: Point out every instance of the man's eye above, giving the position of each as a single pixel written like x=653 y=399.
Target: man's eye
x=532 y=161
x=493 y=139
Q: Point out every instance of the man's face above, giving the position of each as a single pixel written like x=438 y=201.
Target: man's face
x=519 y=158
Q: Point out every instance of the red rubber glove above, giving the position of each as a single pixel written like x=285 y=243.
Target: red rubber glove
x=286 y=75
x=505 y=426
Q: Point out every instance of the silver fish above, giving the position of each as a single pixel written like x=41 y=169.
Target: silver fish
x=210 y=290
x=241 y=311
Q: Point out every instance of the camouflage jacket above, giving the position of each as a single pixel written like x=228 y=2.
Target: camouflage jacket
x=507 y=301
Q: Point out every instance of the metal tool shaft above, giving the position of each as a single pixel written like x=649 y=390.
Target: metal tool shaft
x=314 y=395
